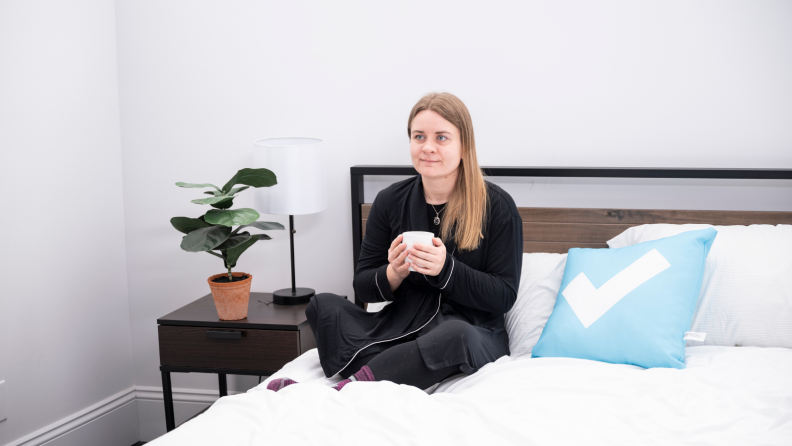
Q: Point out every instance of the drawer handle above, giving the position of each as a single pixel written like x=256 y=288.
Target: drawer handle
x=218 y=334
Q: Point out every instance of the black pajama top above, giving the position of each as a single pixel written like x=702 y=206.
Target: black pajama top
x=476 y=286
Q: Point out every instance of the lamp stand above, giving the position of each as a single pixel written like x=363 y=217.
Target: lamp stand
x=293 y=295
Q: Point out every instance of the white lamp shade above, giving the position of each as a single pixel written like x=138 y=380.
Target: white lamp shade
x=298 y=163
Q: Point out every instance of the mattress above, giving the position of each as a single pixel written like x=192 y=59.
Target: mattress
x=725 y=396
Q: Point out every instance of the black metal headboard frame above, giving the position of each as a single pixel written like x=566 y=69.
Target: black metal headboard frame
x=357 y=173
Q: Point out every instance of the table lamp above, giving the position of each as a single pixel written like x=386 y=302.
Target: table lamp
x=301 y=189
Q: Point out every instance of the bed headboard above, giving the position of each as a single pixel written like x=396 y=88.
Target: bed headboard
x=559 y=229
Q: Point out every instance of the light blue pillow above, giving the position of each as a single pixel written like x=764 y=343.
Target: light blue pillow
x=628 y=305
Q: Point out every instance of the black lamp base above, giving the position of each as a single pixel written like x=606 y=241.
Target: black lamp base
x=287 y=297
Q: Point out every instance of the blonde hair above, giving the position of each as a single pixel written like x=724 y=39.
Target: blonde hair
x=467 y=206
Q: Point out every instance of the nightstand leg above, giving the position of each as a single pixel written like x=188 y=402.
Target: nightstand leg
x=167 y=396
x=221 y=378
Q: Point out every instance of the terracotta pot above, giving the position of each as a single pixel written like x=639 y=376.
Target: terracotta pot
x=231 y=299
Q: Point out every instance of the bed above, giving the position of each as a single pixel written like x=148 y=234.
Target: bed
x=727 y=394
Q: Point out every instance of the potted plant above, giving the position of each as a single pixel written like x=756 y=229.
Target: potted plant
x=214 y=233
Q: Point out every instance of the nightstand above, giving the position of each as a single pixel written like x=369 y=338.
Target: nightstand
x=193 y=339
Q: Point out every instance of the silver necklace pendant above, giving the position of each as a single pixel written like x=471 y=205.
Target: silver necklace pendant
x=437 y=218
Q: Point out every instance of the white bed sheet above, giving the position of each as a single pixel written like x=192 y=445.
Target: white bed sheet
x=725 y=396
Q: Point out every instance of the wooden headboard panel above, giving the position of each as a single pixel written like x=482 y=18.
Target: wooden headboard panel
x=558 y=229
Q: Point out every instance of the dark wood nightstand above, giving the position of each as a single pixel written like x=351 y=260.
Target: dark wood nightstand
x=193 y=339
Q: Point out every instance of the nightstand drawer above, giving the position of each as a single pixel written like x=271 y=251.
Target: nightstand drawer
x=226 y=348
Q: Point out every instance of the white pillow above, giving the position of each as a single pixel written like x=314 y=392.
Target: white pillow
x=540 y=280
x=746 y=294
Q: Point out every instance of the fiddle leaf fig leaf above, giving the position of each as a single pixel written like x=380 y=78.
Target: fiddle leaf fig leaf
x=211 y=200
x=232 y=254
x=223 y=204
x=188 y=225
x=229 y=218
x=234 y=241
x=204 y=239
x=263 y=225
x=180 y=184
x=266 y=225
x=216 y=193
x=252 y=177
x=263 y=237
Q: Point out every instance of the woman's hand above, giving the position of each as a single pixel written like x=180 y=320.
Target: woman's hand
x=430 y=258
x=397 y=253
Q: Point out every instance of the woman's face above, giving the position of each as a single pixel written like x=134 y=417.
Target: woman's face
x=435 y=145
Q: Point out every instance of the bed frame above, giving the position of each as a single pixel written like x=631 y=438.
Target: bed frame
x=558 y=229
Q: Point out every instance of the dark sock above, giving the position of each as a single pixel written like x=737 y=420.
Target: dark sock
x=364 y=374
x=279 y=383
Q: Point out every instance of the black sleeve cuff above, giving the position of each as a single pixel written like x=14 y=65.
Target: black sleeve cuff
x=443 y=281
x=382 y=284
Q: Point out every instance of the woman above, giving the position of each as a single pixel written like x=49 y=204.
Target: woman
x=447 y=316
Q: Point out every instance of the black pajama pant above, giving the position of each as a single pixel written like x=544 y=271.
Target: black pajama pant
x=401 y=364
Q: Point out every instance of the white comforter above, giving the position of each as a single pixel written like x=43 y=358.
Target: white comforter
x=725 y=396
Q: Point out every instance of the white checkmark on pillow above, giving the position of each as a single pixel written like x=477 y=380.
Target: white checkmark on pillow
x=590 y=303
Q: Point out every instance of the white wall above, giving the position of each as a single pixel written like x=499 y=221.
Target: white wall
x=64 y=319
x=618 y=83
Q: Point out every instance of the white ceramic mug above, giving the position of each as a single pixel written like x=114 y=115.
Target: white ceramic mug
x=411 y=237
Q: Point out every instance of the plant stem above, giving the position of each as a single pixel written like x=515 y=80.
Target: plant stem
x=230 y=276
x=235 y=231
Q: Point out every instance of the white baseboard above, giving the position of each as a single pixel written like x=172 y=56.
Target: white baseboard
x=116 y=428
x=132 y=415
x=180 y=395
x=93 y=415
